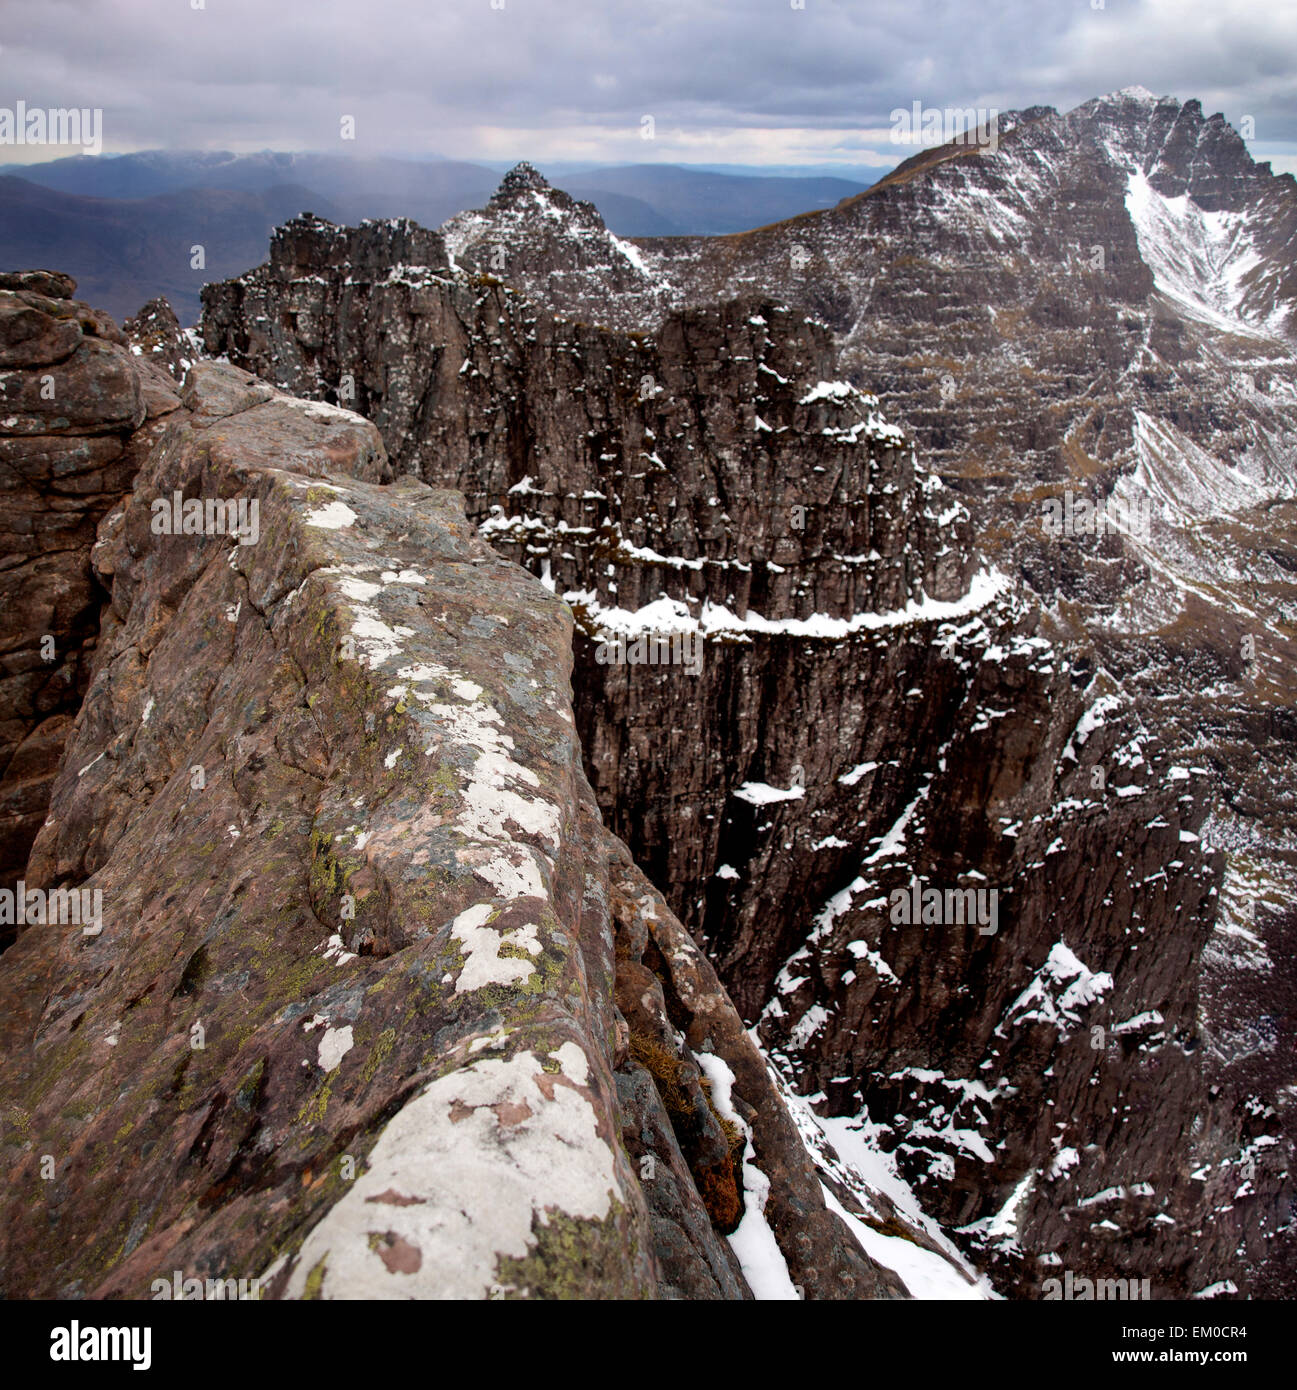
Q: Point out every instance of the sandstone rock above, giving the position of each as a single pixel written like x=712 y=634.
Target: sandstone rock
x=349 y=1025
x=96 y=390
x=31 y=337
x=77 y=414
x=49 y=283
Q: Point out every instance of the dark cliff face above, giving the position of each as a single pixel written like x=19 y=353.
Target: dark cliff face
x=885 y=695
x=1107 y=304
x=78 y=411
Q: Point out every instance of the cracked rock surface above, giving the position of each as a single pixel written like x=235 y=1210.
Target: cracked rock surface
x=78 y=413
x=350 y=1023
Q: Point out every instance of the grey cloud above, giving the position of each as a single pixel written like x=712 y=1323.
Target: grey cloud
x=425 y=75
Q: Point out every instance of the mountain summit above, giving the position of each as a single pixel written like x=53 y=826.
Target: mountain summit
x=522 y=178
x=557 y=248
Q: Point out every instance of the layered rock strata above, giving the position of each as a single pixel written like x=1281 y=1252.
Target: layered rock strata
x=78 y=413
x=376 y=1006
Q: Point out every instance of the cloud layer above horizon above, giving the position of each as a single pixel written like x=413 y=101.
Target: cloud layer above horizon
x=725 y=81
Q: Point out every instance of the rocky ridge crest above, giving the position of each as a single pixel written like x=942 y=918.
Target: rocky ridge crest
x=376 y=1007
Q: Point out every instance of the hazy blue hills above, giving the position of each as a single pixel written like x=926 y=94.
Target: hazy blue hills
x=124 y=225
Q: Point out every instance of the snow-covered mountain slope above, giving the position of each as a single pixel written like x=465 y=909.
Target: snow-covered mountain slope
x=553 y=247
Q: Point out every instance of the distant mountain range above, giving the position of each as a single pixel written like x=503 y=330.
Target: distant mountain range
x=125 y=225
x=127 y=251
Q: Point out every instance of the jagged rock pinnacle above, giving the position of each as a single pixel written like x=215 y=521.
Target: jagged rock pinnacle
x=522 y=178
x=1135 y=93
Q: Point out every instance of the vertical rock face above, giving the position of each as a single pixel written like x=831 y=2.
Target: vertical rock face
x=374 y=1005
x=77 y=414
x=879 y=711
x=1105 y=305
x=713 y=485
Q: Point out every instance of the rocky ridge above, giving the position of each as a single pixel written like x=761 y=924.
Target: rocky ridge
x=974 y=739
x=377 y=1007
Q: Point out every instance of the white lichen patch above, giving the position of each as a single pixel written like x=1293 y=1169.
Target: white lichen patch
x=428 y=673
x=334 y=1046
x=333 y=516
x=513 y=870
x=480 y=942
x=489 y=800
x=493 y=809
x=456 y=1180
x=574 y=1062
x=359 y=590
x=377 y=642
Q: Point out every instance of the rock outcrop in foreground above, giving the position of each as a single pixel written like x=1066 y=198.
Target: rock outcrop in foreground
x=376 y=1006
x=78 y=412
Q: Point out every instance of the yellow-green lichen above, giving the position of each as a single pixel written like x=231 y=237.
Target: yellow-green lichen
x=573 y=1258
x=315 y=1280
x=383 y=1045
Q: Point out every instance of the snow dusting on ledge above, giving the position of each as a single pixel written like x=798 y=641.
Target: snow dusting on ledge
x=667 y=615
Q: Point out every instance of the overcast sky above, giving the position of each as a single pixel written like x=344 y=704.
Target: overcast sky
x=726 y=81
